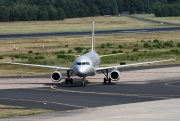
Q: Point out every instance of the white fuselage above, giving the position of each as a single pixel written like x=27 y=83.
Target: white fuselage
x=85 y=65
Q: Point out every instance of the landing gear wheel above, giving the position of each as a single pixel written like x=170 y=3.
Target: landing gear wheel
x=83 y=84
x=71 y=81
x=66 y=81
x=105 y=80
x=109 y=80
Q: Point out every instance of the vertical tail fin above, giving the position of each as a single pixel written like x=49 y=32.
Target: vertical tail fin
x=92 y=43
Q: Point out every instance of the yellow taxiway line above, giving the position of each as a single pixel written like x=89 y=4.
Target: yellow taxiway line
x=114 y=94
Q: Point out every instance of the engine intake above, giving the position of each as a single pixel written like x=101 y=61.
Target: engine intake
x=56 y=76
x=115 y=75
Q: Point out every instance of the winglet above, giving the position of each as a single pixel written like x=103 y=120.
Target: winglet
x=92 y=43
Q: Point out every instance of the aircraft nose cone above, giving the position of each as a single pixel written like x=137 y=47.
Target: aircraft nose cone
x=82 y=71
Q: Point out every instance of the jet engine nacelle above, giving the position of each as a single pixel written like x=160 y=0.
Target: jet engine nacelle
x=56 y=76
x=115 y=75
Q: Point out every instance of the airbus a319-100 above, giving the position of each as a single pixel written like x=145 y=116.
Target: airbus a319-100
x=88 y=65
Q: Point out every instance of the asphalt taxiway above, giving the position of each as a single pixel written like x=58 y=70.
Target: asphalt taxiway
x=143 y=93
x=84 y=33
x=140 y=85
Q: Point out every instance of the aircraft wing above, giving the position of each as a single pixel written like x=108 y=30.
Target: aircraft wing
x=44 y=66
x=129 y=65
x=111 y=55
x=73 y=55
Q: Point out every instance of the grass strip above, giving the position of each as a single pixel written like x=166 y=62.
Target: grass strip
x=7 y=111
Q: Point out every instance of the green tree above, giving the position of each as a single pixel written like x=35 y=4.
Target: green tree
x=44 y=2
x=174 y=10
x=6 y=2
x=53 y=13
x=114 y=7
x=120 y=6
x=158 y=11
x=126 y=5
x=4 y=13
x=42 y=13
x=82 y=10
x=136 y=7
x=165 y=10
x=72 y=5
x=92 y=8
x=14 y=13
x=147 y=6
x=23 y=9
x=61 y=14
x=33 y=12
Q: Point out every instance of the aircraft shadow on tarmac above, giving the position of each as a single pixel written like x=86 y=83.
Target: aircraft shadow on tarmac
x=77 y=83
x=63 y=84
x=120 y=84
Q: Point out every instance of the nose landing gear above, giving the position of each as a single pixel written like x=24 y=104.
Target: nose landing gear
x=83 y=82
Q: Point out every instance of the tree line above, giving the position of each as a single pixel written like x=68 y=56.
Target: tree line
x=165 y=10
x=33 y=10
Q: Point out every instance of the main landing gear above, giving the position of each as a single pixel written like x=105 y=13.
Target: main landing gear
x=69 y=74
x=106 y=79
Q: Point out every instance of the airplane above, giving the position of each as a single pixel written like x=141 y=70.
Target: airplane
x=86 y=65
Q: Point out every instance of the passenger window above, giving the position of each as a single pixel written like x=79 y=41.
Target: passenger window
x=83 y=63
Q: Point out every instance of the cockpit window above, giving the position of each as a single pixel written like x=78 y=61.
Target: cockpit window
x=78 y=63
x=83 y=63
x=87 y=63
